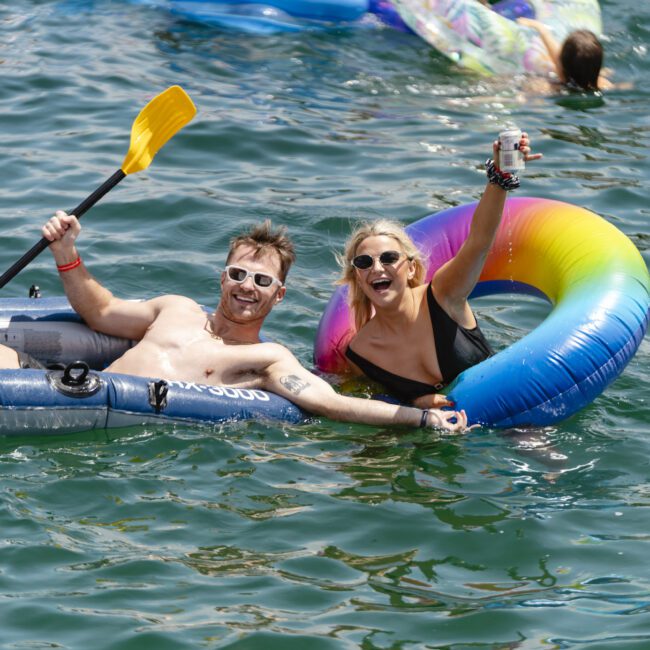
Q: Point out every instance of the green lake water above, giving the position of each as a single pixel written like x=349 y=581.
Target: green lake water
x=324 y=536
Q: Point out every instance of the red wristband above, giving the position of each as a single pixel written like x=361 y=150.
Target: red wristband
x=68 y=267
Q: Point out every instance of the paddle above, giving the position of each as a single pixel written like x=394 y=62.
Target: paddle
x=157 y=122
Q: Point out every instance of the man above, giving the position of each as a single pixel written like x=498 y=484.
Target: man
x=178 y=341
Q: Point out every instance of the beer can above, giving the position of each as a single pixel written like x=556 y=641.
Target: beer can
x=510 y=157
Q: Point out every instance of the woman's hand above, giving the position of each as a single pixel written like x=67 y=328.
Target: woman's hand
x=524 y=147
x=432 y=401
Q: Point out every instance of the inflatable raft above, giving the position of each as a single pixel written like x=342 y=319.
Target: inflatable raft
x=487 y=40
x=80 y=397
x=590 y=272
x=270 y=16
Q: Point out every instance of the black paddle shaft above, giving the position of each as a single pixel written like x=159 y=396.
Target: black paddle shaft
x=39 y=247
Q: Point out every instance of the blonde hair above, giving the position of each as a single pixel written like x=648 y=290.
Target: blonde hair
x=358 y=301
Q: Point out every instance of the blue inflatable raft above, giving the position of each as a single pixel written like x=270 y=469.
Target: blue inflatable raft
x=269 y=16
x=80 y=396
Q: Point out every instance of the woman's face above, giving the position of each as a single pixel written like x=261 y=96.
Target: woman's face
x=385 y=270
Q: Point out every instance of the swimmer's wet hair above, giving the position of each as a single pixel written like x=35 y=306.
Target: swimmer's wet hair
x=581 y=57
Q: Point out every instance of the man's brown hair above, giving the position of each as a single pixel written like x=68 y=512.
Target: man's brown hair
x=581 y=58
x=262 y=237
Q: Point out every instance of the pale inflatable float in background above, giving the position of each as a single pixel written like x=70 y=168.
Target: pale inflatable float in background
x=590 y=271
x=487 y=39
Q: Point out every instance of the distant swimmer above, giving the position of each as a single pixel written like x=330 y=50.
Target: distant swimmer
x=577 y=61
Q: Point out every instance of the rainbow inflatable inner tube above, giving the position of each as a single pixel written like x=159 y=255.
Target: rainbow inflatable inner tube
x=591 y=273
x=487 y=40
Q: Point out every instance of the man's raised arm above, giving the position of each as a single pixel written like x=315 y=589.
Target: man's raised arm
x=99 y=308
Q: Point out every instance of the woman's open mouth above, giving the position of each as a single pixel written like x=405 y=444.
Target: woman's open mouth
x=381 y=284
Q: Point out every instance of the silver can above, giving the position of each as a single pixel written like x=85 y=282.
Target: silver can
x=510 y=157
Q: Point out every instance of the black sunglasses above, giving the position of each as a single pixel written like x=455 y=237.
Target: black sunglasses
x=387 y=258
x=239 y=274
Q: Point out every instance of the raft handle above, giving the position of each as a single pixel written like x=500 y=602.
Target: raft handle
x=158 y=394
x=75 y=380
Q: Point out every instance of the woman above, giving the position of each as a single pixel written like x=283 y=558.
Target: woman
x=416 y=338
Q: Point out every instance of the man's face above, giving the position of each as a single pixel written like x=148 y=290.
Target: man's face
x=247 y=301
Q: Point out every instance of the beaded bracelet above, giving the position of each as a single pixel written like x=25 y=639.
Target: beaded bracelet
x=423 y=419
x=62 y=268
x=496 y=176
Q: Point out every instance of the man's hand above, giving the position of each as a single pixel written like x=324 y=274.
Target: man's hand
x=451 y=421
x=61 y=230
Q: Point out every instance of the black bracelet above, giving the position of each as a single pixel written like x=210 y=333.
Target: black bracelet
x=423 y=419
x=496 y=176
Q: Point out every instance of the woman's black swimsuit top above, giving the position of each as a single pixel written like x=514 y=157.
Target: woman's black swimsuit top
x=457 y=349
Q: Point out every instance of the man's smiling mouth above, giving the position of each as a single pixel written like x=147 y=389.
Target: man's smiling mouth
x=246 y=299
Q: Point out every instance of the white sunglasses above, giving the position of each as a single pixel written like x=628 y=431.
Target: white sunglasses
x=239 y=274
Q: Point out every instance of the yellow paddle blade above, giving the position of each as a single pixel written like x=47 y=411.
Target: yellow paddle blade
x=158 y=121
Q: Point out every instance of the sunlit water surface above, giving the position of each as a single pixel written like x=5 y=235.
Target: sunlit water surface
x=329 y=535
